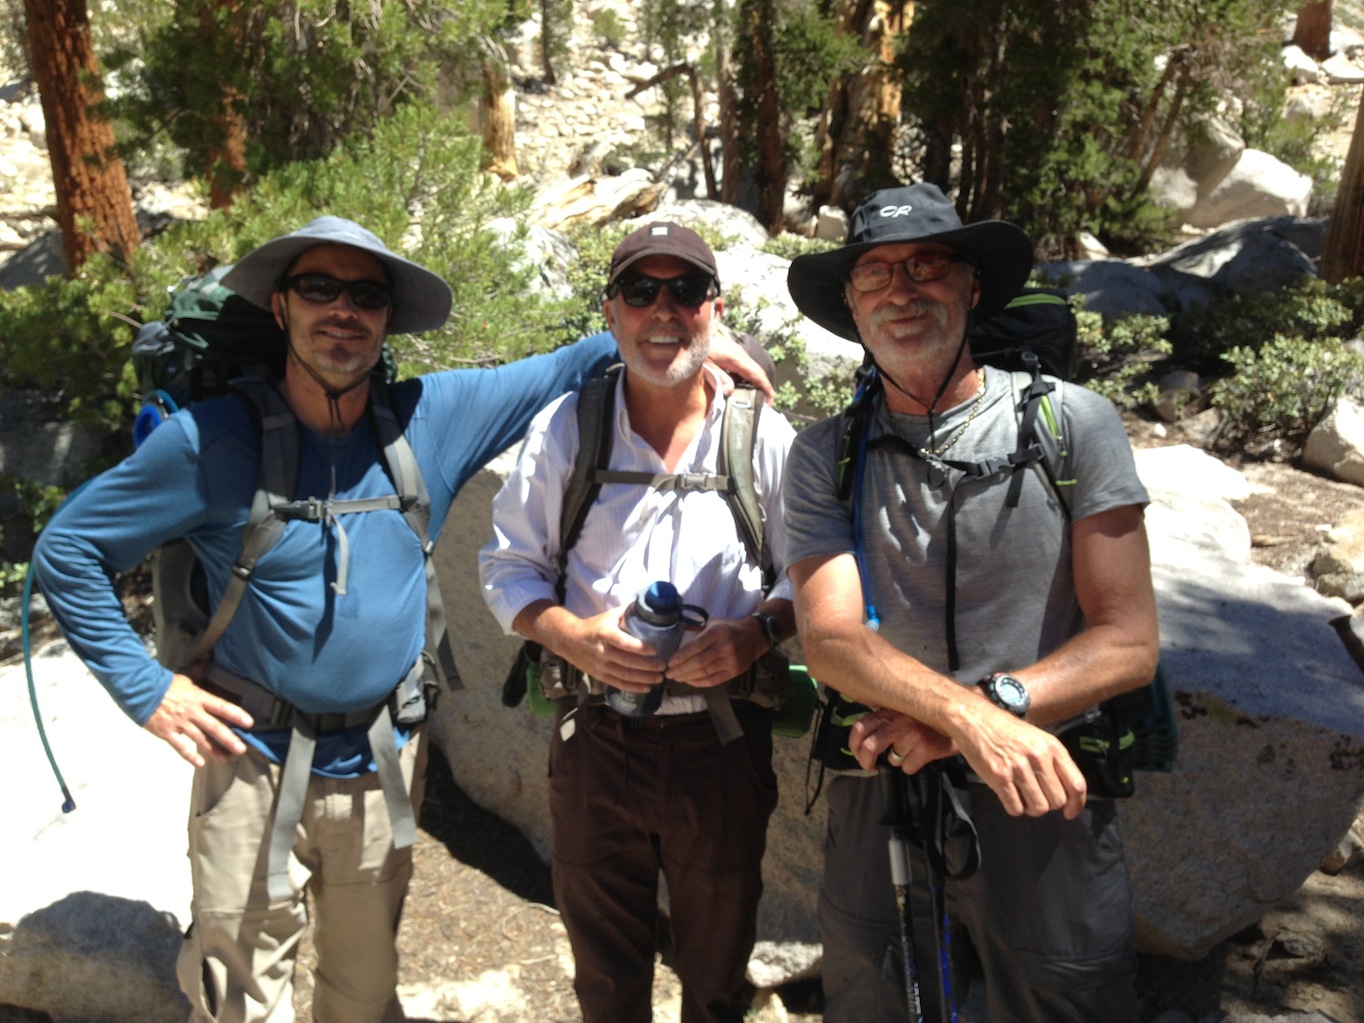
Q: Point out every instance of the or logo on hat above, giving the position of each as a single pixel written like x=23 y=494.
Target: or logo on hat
x=897 y=211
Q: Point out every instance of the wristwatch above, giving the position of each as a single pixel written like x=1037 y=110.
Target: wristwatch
x=770 y=626
x=1007 y=692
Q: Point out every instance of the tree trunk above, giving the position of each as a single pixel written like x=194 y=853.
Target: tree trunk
x=729 y=113
x=1313 y=32
x=549 y=39
x=497 y=117
x=771 y=138
x=94 y=203
x=1343 y=251
x=857 y=137
x=222 y=28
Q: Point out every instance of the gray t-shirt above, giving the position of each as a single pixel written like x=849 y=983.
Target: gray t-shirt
x=1015 y=597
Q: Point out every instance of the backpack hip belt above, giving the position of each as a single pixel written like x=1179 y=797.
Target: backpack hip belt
x=765 y=683
x=757 y=683
x=407 y=704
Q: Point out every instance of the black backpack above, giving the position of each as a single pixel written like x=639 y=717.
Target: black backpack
x=1039 y=321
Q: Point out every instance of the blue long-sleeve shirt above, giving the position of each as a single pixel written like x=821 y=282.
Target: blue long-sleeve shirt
x=195 y=477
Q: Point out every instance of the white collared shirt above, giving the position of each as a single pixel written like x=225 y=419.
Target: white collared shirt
x=633 y=535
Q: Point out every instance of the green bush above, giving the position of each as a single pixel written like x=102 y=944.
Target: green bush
x=301 y=75
x=789 y=246
x=1279 y=391
x=1310 y=309
x=17 y=534
x=609 y=29
x=1115 y=358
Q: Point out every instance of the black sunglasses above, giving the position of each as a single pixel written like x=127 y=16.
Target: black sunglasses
x=639 y=291
x=324 y=289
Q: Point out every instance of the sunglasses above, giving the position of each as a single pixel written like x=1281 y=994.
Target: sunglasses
x=688 y=290
x=922 y=267
x=324 y=289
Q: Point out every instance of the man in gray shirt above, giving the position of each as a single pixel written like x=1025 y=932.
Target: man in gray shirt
x=993 y=617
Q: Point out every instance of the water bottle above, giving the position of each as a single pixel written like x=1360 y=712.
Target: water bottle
x=656 y=618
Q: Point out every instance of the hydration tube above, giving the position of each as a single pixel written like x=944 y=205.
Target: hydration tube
x=68 y=804
x=158 y=407
x=859 y=547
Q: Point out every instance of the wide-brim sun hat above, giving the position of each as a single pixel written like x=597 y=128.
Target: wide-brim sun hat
x=421 y=299
x=1001 y=252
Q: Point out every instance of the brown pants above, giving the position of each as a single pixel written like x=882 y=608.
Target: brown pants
x=631 y=799
x=237 y=963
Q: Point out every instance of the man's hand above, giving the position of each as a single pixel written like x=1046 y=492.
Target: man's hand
x=602 y=648
x=910 y=745
x=728 y=355
x=1027 y=768
x=722 y=650
x=196 y=723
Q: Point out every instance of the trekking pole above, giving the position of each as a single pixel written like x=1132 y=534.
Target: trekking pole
x=895 y=815
x=942 y=930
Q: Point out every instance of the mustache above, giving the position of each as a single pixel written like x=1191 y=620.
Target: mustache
x=915 y=307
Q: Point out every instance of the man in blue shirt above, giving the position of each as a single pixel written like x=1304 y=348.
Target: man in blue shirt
x=332 y=622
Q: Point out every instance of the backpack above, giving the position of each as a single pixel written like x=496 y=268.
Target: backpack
x=213 y=342
x=1034 y=338
x=734 y=479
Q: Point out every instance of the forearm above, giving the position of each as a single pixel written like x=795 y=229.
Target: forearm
x=550 y=625
x=1098 y=664
x=86 y=606
x=865 y=668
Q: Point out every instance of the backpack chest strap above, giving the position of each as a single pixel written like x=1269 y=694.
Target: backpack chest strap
x=664 y=481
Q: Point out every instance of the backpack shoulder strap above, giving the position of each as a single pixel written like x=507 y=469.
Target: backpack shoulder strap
x=591 y=467
x=738 y=442
x=1039 y=403
x=856 y=422
x=596 y=429
x=415 y=504
x=276 y=480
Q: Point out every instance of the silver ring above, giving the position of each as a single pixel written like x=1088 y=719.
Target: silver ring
x=895 y=759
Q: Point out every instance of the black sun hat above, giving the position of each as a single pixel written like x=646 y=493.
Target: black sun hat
x=1001 y=252
x=421 y=299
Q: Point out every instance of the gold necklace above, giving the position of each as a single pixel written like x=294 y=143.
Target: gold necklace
x=942 y=449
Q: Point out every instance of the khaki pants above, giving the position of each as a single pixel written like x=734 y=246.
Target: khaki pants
x=237 y=963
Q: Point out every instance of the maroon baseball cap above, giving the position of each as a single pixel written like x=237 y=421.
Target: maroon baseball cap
x=662 y=239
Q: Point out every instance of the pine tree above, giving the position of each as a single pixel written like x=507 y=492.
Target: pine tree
x=94 y=202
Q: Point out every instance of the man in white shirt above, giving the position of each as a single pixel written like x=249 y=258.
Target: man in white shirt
x=631 y=796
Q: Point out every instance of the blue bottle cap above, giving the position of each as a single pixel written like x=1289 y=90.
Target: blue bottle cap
x=662 y=596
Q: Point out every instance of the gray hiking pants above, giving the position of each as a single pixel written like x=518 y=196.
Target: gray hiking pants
x=1048 y=916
